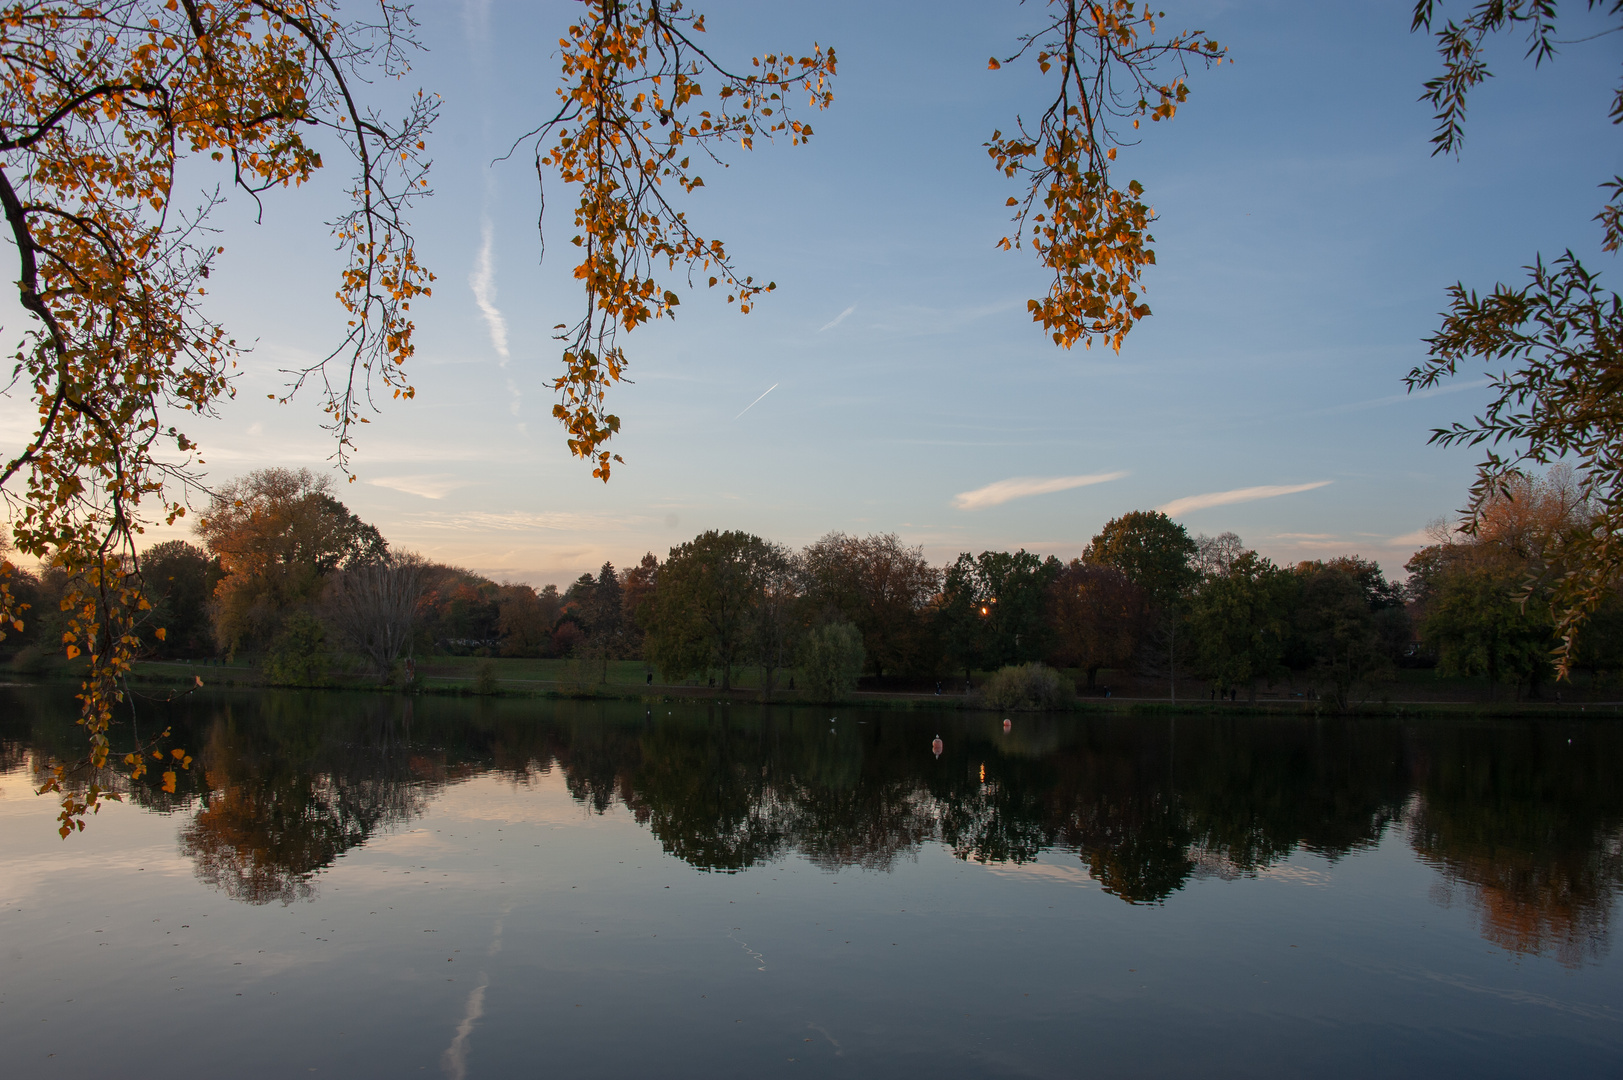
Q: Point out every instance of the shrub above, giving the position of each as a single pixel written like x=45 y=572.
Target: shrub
x=484 y=677
x=30 y=660
x=299 y=655
x=831 y=659
x=1025 y=687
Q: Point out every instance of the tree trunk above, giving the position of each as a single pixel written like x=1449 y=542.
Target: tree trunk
x=1172 y=663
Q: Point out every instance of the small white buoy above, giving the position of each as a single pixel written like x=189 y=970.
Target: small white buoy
x=937 y=745
x=1007 y=725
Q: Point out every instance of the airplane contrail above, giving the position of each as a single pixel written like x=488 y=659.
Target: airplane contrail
x=752 y=404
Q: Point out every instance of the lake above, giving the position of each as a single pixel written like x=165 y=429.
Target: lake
x=352 y=885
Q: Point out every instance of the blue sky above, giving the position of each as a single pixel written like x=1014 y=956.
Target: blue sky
x=1305 y=242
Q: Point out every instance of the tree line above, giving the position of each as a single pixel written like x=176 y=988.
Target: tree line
x=286 y=574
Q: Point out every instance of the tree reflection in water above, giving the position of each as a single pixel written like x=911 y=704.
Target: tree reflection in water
x=1518 y=821
x=1530 y=837
x=286 y=796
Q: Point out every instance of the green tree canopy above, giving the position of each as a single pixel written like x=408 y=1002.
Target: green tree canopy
x=1155 y=552
x=1241 y=622
x=705 y=603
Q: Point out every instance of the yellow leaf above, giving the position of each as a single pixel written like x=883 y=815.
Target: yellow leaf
x=992 y=64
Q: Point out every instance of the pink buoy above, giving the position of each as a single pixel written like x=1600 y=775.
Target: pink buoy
x=1008 y=725
x=937 y=745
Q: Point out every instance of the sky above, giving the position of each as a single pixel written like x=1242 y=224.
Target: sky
x=1305 y=242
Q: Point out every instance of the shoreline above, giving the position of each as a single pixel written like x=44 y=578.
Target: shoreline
x=245 y=679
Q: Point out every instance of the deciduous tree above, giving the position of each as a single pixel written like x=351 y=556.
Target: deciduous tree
x=880 y=585
x=1349 y=626
x=1097 y=617
x=103 y=103
x=1551 y=346
x=374 y=605
x=709 y=589
x=637 y=585
x=278 y=534
x=1240 y=622
x=831 y=659
x=180 y=579
x=526 y=619
x=1157 y=555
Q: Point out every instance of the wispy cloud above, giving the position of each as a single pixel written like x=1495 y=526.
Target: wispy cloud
x=1018 y=487
x=1393 y=399
x=519 y=521
x=1419 y=538
x=476 y=21
x=1238 y=495
x=752 y=404
x=427 y=486
x=483 y=283
x=514 y=405
x=836 y=320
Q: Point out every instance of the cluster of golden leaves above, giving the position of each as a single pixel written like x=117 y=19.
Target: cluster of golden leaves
x=631 y=121
x=99 y=102
x=1092 y=234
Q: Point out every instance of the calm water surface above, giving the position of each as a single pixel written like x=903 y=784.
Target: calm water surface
x=371 y=886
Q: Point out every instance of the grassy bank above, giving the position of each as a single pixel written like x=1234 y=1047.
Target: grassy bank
x=1413 y=694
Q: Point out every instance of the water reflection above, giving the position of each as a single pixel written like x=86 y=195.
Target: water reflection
x=284 y=797
x=1523 y=821
x=1529 y=837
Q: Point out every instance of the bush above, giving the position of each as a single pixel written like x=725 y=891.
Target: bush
x=299 y=655
x=1032 y=686
x=30 y=660
x=484 y=677
x=831 y=659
